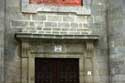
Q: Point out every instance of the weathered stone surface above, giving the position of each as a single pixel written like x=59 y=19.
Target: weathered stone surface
x=16 y=23
x=39 y=17
x=2 y=13
x=56 y=18
x=50 y=24
x=117 y=36
x=74 y=25
x=63 y=24
x=68 y=18
x=53 y=23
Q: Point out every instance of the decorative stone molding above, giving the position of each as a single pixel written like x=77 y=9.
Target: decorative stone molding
x=89 y=45
x=89 y=62
x=24 y=36
x=25 y=49
x=34 y=8
x=28 y=59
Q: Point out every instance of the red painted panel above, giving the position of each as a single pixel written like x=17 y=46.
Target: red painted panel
x=57 y=2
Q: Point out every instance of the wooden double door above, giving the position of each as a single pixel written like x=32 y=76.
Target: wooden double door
x=56 y=70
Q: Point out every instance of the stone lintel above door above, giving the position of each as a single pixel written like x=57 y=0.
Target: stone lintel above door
x=30 y=36
x=27 y=39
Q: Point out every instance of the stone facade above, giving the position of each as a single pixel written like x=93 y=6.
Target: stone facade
x=2 y=22
x=117 y=40
x=106 y=19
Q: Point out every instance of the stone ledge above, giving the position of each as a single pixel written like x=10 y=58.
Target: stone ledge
x=22 y=36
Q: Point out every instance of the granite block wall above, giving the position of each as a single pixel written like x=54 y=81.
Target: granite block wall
x=61 y=24
x=55 y=24
x=116 y=17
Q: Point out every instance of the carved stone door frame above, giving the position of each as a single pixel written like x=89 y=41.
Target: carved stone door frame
x=86 y=60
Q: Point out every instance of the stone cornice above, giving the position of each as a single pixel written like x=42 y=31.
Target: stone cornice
x=23 y=36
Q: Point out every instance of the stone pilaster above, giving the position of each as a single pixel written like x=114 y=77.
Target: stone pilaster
x=89 y=63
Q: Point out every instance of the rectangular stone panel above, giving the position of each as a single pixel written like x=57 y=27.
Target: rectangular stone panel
x=66 y=6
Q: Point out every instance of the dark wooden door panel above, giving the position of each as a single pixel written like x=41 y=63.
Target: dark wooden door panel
x=56 y=70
